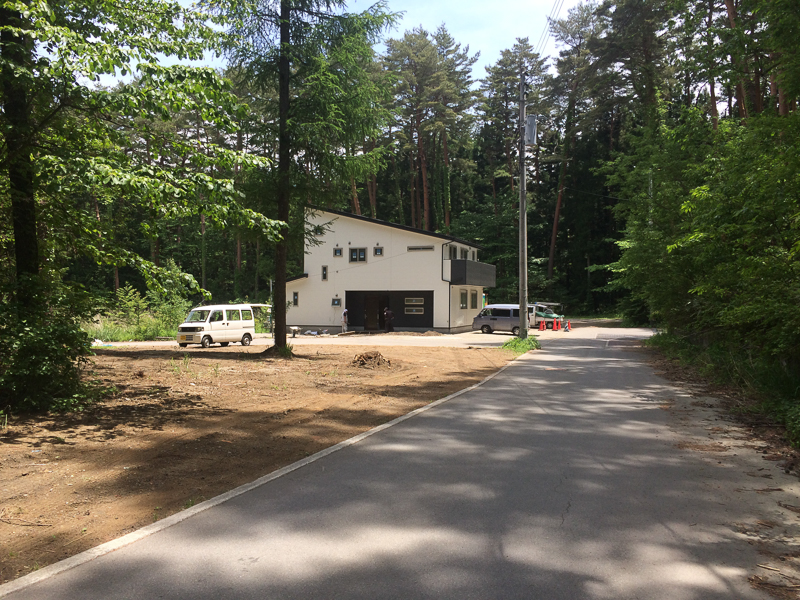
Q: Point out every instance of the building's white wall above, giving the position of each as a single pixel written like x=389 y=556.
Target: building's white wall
x=462 y=317
x=398 y=269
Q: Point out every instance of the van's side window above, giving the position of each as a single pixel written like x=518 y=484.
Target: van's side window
x=247 y=315
x=233 y=315
x=501 y=312
x=216 y=316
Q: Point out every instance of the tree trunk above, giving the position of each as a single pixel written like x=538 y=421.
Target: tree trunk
x=562 y=178
x=372 y=187
x=783 y=105
x=17 y=52
x=282 y=246
x=446 y=182
x=255 y=287
x=203 y=250
x=712 y=86
x=426 y=223
x=354 y=197
x=740 y=85
x=414 y=194
x=401 y=217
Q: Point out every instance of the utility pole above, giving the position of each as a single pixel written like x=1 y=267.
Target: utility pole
x=523 y=217
x=527 y=136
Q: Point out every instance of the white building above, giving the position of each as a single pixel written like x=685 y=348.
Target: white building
x=429 y=280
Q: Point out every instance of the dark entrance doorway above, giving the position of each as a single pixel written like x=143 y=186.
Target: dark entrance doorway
x=373 y=311
x=413 y=309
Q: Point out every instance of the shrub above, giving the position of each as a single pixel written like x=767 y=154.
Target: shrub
x=43 y=349
x=520 y=346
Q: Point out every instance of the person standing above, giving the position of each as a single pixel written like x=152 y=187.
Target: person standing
x=344 y=321
x=388 y=317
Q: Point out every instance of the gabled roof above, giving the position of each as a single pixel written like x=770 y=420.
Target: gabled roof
x=432 y=234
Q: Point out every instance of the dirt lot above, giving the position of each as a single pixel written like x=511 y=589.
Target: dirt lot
x=184 y=426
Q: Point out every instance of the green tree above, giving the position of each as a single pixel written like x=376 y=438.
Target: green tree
x=312 y=56
x=69 y=149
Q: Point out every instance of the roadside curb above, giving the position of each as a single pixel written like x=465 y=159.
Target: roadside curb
x=108 y=547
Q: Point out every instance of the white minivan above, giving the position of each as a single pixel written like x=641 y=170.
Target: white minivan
x=498 y=317
x=218 y=324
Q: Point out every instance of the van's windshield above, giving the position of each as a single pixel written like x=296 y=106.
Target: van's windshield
x=197 y=315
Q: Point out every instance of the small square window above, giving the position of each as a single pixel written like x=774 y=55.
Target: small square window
x=336 y=302
x=377 y=251
x=324 y=273
x=463 y=299
x=337 y=251
x=295 y=298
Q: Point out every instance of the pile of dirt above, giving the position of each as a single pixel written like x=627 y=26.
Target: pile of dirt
x=370 y=360
x=428 y=333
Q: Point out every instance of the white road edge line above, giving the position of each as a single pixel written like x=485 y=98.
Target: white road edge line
x=98 y=551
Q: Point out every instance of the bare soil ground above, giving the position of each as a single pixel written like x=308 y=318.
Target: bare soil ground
x=727 y=421
x=184 y=426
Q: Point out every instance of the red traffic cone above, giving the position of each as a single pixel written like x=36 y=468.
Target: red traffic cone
x=541 y=325
x=556 y=324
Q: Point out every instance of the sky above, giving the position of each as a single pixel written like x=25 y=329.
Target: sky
x=488 y=27
x=474 y=23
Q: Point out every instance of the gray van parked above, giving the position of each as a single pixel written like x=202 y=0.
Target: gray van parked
x=498 y=317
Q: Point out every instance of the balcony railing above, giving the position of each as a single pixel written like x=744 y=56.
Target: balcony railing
x=470 y=272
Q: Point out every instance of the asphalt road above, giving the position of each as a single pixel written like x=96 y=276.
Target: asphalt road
x=556 y=479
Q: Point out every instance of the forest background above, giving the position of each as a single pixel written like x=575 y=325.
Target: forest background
x=663 y=184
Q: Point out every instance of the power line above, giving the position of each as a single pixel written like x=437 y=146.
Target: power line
x=545 y=37
x=544 y=31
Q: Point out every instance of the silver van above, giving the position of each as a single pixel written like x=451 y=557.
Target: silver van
x=498 y=317
x=221 y=323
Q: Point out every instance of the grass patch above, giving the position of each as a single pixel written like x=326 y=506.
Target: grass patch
x=520 y=346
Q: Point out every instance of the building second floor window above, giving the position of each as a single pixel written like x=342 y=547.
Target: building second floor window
x=295 y=298
x=453 y=253
x=324 y=273
x=464 y=254
x=358 y=254
x=337 y=251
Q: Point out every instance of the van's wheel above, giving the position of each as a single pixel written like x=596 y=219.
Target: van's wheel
x=515 y=331
x=223 y=344
x=246 y=339
x=486 y=329
x=183 y=345
x=206 y=342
